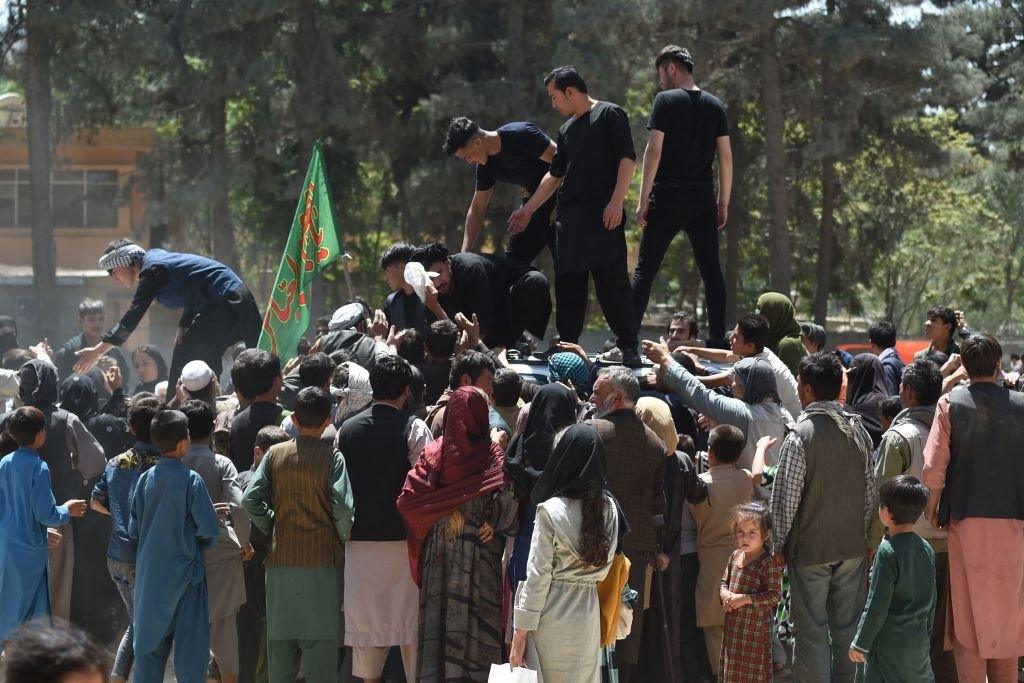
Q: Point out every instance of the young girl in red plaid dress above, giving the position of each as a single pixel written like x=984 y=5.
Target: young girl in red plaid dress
x=751 y=588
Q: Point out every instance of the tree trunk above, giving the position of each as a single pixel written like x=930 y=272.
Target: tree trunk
x=825 y=231
x=514 y=59
x=38 y=103
x=224 y=249
x=775 y=165
x=305 y=111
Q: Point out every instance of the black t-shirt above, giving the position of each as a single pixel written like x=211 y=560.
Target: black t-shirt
x=590 y=148
x=481 y=284
x=519 y=160
x=691 y=120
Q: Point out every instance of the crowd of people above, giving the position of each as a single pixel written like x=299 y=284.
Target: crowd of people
x=397 y=501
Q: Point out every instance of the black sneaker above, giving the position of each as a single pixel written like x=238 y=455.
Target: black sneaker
x=631 y=357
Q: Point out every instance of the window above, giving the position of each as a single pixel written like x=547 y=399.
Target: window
x=79 y=199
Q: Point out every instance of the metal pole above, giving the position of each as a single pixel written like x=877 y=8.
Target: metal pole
x=345 y=258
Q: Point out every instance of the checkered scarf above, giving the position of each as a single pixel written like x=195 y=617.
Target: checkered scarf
x=122 y=257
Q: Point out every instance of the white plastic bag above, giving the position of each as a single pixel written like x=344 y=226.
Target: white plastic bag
x=504 y=673
x=417 y=277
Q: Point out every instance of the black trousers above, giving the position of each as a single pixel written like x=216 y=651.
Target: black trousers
x=528 y=307
x=539 y=233
x=696 y=213
x=612 y=287
x=235 y=319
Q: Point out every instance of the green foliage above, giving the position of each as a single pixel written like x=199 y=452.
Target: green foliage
x=921 y=117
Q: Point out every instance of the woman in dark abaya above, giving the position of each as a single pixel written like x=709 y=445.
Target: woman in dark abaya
x=865 y=393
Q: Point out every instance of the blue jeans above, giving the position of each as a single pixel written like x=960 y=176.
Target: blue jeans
x=827 y=601
x=123 y=575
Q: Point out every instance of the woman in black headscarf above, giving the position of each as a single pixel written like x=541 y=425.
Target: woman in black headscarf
x=150 y=366
x=553 y=408
x=557 y=615
x=78 y=395
x=865 y=393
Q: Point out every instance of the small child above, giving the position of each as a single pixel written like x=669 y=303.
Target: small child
x=173 y=520
x=27 y=508
x=894 y=632
x=891 y=407
x=751 y=588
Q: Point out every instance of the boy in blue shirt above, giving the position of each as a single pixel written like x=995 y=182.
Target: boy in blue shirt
x=173 y=520
x=27 y=508
x=894 y=635
x=112 y=496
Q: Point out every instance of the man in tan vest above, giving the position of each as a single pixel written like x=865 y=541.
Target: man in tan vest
x=728 y=486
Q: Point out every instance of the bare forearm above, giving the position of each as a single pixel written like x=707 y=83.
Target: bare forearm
x=543 y=192
x=725 y=179
x=652 y=158
x=625 y=175
x=474 y=223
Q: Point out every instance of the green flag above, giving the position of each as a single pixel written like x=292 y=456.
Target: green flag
x=312 y=244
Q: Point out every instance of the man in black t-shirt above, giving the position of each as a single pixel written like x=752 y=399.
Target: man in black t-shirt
x=403 y=308
x=591 y=171
x=518 y=153
x=507 y=297
x=688 y=127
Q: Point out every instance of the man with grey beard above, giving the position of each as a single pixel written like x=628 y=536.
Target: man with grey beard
x=635 y=469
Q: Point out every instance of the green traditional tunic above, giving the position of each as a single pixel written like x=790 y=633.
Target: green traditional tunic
x=895 y=628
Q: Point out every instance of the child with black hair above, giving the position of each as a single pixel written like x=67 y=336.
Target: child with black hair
x=751 y=588
x=173 y=521
x=893 y=638
x=27 y=509
x=728 y=485
x=112 y=496
x=256 y=375
x=53 y=655
x=301 y=496
x=439 y=347
x=891 y=407
x=508 y=386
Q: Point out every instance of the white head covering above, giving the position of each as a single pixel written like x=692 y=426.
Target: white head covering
x=196 y=375
x=354 y=397
x=346 y=317
x=122 y=257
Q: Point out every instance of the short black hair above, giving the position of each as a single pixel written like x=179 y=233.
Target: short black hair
x=823 y=373
x=322 y=322
x=430 y=253
x=674 y=53
x=685 y=318
x=14 y=359
x=441 y=338
x=460 y=131
x=726 y=443
x=389 y=377
x=507 y=386
x=754 y=327
x=90 y=307
x=981 y=353
x=904 y=497
x=399 y=252
x=891 y=406
x=254 y=372
x=141 y=409
x=472 y=363
x=686 y=445
x=167 y=429
x=566 y=77
x=943 y=313
x=940 y=358
x=25 y=423
x=200 y=418
x=48 y=654
x=271 y=435
x=925 y=378
x=882 y=335
x=303 y=346
x=410 y=346
x=312 y=407
x=316 y=369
